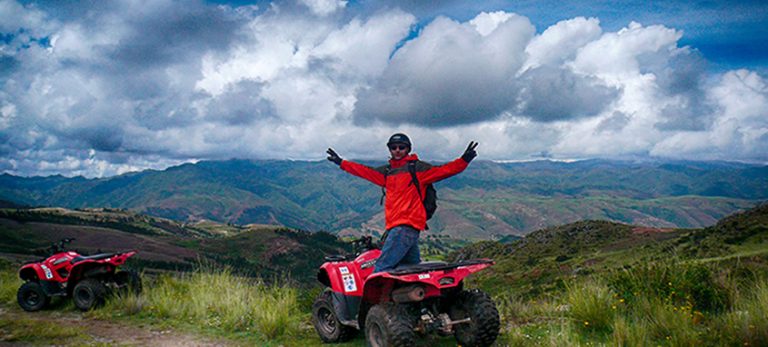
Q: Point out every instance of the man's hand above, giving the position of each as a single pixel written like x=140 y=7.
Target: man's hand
x=470 y=152
x=332 y=156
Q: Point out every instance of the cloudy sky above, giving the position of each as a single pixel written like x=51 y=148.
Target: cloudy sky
x=98 y=88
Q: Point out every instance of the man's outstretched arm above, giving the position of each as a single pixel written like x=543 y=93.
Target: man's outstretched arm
x=356 y=169
x=442 y=172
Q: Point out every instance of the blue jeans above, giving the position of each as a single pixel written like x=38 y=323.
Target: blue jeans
x=400 y=248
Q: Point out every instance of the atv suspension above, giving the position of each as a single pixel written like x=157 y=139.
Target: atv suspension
x=442 y=323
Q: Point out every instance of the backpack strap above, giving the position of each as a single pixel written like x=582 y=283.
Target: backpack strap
x=415 y=182
x=387 y=168
x=414 y=179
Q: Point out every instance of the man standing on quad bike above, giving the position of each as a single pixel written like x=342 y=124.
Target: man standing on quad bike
x=404 y=210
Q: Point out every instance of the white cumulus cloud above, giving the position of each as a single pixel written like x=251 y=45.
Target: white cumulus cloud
x=121 y=86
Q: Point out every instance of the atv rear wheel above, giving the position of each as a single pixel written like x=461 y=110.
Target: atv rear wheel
x=31 y=297
x=483 y=327
x=390 y=324
x=128 y=282
x=326 y=322
x=89 y=293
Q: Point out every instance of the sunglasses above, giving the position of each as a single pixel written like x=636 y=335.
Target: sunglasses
x=396 y=147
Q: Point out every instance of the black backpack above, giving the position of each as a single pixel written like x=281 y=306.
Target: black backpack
x=430 y=195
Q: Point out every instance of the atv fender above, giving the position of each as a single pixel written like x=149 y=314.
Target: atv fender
x=87 y=269
x=379 y=286
x=348 y=277
x=35 y=271
x=346 y=286
x=342 y=278
x=433 y=276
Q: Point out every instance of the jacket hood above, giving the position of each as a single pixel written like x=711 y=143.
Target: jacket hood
x=398 y=163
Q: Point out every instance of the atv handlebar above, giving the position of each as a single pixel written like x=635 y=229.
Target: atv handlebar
x=58 y=246
x=363 y=244
x=359 y=246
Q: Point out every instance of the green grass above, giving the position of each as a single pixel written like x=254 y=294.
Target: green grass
x=9 y=283
x=214 y=301
x=663 y=304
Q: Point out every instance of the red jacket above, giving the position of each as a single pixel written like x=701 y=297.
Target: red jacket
x=403 y=204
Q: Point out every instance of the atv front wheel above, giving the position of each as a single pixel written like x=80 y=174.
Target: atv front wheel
x=483 y=327
x=390 y=324
x=31 y=297
x=327 y=323
x=89 y=293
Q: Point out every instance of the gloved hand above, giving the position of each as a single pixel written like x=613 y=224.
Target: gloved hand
x=470 y=152
x=332 y=156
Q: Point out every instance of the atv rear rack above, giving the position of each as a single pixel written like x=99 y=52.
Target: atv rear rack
x=436 y=266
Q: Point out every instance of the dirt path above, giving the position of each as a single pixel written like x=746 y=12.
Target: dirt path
x=100 y=332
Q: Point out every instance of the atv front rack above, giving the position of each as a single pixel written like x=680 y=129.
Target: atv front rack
x=436 y=266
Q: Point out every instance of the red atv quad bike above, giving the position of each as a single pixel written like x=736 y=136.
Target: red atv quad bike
x=396 y=306
x=87 y=279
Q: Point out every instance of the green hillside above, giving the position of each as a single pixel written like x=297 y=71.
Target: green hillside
x=545 y=259
x=490 y=200
x=257 y=251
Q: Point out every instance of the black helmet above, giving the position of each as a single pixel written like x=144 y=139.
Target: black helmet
x=399 y=138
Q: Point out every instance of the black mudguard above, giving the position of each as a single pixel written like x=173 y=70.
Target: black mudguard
x=346 y=307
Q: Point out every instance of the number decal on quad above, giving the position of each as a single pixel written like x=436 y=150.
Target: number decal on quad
x=344 y=270
x=48 y=273
x=349 y=283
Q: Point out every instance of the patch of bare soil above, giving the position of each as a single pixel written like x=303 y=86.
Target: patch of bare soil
x=102 y=332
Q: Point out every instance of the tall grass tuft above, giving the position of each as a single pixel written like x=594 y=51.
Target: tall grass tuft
x=630 y=332
x=676 y=284
x=223 y=301
x=591 y=306
x=9 y=285
x=747 y=323
x=675 y=325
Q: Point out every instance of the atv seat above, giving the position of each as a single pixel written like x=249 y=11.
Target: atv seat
x=340 y=257
x=434 y=266
x=34 y=261
x=91 y=257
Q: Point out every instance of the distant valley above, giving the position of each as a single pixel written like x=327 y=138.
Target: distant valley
x=488 y=201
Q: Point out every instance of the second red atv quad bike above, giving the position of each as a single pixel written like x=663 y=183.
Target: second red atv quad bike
x=396 y=306
x=87 y=279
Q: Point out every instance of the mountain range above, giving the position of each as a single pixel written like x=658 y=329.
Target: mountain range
x=489 y=200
